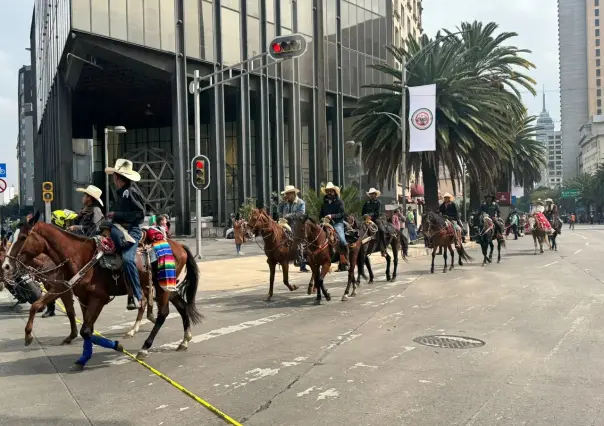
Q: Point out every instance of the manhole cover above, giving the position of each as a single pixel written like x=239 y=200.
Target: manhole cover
x=449 y=342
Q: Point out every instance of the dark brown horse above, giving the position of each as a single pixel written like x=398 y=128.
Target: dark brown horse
x=278 y=250
x=97 y=286
x=440 y=235
x=394 y=240
x=320 y=245
x=357 y=252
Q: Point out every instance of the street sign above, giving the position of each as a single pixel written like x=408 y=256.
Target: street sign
x=569 y=193
x=200 y=172
x=3 y=186
x=2 y=170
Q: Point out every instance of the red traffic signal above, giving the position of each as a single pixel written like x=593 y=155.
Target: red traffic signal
x=200 y=173
x=199 y=164
x=288 y=46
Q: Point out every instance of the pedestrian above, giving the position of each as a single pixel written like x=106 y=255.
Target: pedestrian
x=90 y=217
x=572 y=219
x=411 y=225
x=239 y=231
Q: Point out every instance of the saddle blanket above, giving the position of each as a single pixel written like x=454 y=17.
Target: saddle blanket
x=166 y=264
x=542 y=223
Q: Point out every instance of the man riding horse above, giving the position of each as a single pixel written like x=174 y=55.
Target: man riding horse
x=292 y=209
x=491 y=208
x=551 y=213
x=333 y=209
x=538 y=211
x=374 y=209
x=448 y=209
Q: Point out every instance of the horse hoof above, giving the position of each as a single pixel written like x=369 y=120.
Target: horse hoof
x=294 y=288
x=328 y=297
x=151 y=319
x=344 y=298
x=388 y=279
x=77 y=367
x=181 y=348
x=67 y=341
x=28 y=340
x=268 y=299
x=353 y=294
x=309 y=291
x=498 y=260
x=142 y=354
x=317 y=302
x=129 y=335
x=119 y=347
x=431 y=271
x=370 y=281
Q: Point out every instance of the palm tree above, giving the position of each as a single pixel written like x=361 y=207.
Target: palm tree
x=587 y=186
x=471 y=108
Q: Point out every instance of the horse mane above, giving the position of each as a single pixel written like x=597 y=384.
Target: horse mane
x=43 y=225
x=437 y=219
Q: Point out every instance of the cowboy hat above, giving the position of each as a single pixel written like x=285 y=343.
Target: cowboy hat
x=374 y=191
x=290 y=188
x=549 y=200
x=447 y=195
x=331 y=186
x=93 y=191
x=123 y=168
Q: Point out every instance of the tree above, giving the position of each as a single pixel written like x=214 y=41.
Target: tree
x=471 y=109
x=349 y=195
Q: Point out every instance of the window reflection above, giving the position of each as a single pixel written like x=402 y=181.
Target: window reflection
x=305 y=21
x=233 y=4
x=208 y=31
x=253 y=8
x=135 y=22
x=270 y=10
x=286 y=14
x=253 y=38
x=231 y=39
x=118 y=20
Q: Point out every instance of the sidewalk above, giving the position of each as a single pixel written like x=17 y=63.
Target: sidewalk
x=252 y=270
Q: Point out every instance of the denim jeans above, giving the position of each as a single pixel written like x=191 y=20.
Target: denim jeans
x=129 y=257
x=339 y=227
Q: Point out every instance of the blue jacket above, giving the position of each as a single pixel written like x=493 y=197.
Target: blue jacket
x=294 y=210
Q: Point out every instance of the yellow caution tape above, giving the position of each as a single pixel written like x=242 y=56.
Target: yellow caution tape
x=161 y=375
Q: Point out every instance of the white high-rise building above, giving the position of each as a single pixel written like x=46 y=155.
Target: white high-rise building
x=552 y=175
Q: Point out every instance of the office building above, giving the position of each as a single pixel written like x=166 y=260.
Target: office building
x=578 y=34
x=552 y=175
x=102 y=63
x=25 y=139
x=407 y=19
x=592 y=136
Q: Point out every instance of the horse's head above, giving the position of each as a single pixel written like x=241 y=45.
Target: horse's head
x=258 y=221
x=26 y=246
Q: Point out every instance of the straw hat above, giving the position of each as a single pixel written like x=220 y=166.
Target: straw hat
x=447 y=195
x=329 y=186
x=93 y=191
x=123 y=167
x=374 y=191
x=290 y=188
x=549 y=200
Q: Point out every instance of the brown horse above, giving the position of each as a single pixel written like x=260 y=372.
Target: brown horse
x=278 y=250
x=96 y=286
x=539 y=234
x=357 y=252
x=434 y=228
x=319 y=249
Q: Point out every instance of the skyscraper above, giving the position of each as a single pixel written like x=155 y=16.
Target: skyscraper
x=553 y=174
x=25 y=140
x=574 y=44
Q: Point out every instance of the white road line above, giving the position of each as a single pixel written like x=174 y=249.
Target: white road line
x=578 y=251
x=549 y=264
x=224 y=331
x=580 y=235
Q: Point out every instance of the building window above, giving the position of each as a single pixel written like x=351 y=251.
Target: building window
x=597 y=62
x=599 y=92
x=597 y=22
x=597 y=32
x=598 y=82
x=597 y=52
x=599 y=102
x=597 y=12
x=597 y=42
x=598 y=72
x=596 y=3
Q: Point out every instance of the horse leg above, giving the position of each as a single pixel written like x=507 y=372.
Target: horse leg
x=67 y=299
x=285 y=269
x=95 y=306
x=433 y=256
x=317 y=274
x=311 y=284
x=498 y=251
x=181 y=307
x=272 y=266
x=535 y=242
x=541 y=241
x=368 y=264
x=444 y=249
x=395 y=249
x=35 y=308
x=324 y=271
x=388 y=260
x=484 y=247
x=162 y=313
x=137 y=322
x=452 y=258
x=491 y=247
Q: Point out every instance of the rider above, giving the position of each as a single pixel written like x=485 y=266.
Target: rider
x=491 y=208
x=333 y=208
x=90 y=217
x=449 y=210
x=292 y=209
x=538 y=210
x=551 y=212
x=374 y=209
x=129 y=213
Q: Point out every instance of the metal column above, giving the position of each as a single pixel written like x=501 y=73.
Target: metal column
x=338 y=122
x=318 y=146
x=263 y=149
x=277 y=118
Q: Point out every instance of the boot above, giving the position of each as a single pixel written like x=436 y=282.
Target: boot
x=50 y=311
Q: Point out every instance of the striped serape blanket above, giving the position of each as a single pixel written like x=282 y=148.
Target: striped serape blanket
x=166 y=265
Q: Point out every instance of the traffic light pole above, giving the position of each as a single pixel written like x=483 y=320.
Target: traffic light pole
x=196 y=96
x=47 y=212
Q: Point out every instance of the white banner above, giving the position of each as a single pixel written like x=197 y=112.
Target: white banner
x=422 y=110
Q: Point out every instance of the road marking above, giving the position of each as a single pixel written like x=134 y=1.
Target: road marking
x=549 y=264
x=580 y=235
x=578 y=251
x=224 y=331
x=586 y=244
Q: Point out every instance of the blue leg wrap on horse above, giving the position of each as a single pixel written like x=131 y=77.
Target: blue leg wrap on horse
x=86 y=353
x=105 y=343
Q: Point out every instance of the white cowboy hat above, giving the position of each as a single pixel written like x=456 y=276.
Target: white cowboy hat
x=549 y=200
x=374 y=191
x=329 y=186
x=93 y=191
x=123 y=167
x=290 y=188
x=447 y=195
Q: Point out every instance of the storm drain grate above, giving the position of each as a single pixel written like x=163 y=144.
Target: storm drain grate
x=449 y=342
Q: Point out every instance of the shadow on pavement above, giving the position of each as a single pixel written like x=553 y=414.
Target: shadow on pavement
x=43 y=365
x=52 y=421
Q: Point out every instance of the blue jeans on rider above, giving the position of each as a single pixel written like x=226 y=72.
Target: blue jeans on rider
x=339 y=227
x=129 y=257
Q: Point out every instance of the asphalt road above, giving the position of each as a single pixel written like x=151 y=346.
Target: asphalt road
x=344 y=363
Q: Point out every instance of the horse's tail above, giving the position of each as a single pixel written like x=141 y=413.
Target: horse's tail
x=191 y=290
x=464 y=254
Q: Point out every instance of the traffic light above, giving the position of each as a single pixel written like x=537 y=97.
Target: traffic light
x=200 y=172
x=47 y=192
x=288 y=46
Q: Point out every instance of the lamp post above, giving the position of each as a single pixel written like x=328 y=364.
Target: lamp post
x=360 y=168
x=116 y=130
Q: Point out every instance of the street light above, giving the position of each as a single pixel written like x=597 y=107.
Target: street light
x=360 y=168
x=118 y=130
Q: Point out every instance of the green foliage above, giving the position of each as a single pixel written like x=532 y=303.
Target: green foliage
x=246 y=208
x=350 y=196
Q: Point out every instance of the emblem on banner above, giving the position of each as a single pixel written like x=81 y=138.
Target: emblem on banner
x=422 y=119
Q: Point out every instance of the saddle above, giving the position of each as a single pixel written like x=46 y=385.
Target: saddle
x=112 y=260
x=332 y=235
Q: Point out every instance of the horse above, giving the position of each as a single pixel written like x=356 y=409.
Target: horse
x=435 y=228
x=95 y=286
x=486 y=236
x=357 y=252
x=320 y=246
x=277 y=247
x=557 y=227
x=395 y=241
x=537 y=232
